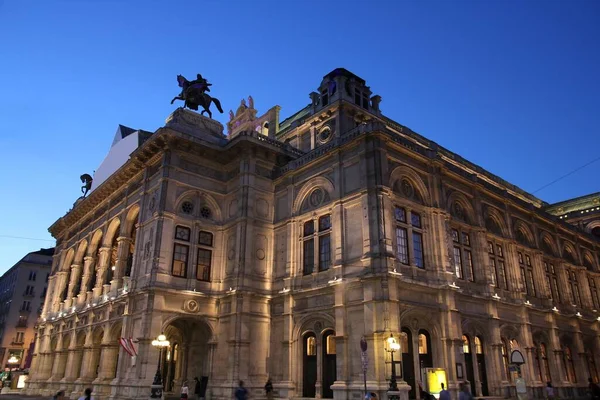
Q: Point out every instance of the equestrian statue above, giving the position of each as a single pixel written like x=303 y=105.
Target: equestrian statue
x=86 y=179
x=194 y=94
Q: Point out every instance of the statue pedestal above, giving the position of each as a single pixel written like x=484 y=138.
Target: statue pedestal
x=197 y=125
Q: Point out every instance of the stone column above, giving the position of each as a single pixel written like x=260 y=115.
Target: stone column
x=103 y=259
x=75 y=277
x=121 y=264
x=88 y=270
x=108 y=361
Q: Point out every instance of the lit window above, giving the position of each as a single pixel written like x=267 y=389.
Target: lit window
x=423 y=344
x=311 y=346
x=466 y=347
x=478 y=347
x=331 y=344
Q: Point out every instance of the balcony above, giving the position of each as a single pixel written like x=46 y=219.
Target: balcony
x=17 y=342
x=21 y=324
x=29 y=294
x=25 y=310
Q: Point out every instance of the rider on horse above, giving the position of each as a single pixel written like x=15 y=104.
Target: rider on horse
x=203 y=84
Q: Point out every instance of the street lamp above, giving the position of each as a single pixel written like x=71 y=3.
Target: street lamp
x=157 y=386
x=392 y=347
x=13 y=360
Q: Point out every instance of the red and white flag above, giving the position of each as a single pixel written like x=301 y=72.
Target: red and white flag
x=129 y=346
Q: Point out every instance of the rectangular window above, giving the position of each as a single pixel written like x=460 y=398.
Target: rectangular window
x=458 y=263
x=26 y=306
x=402 y=245
x=594 y=291
x=455 y=236
x=531 y=285
x=32 y=275
x=309 y=228
x=415 y=219
x=182 y=233
x=203 y=265
x=469 y=264
x=494 y=272
x=400 y=214
x=180 y=260
x=524 y=279
x=309 y=256
x=418 y=249
x=324 y=223
x=20 y=337
x=324 y=253
x=205 y=238
x=466 y=240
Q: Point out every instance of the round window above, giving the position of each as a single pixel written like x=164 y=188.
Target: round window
x=187 y=207
x=205 y=212
x=324 y=134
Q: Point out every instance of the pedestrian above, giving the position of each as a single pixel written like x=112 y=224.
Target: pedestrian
x=269 y=389
x=241 y=393
x=464 y=393
x=185 y=391
x=594 y=389
x=60 y=395
x=197 y=388
x=87 y=395
x=444 y=394
x=549 y=391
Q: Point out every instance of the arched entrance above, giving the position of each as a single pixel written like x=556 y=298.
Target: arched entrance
x=408 y=369
x=329 y=363
x=188 y=355
x=481 y=366
x=309 y=376
x=469 y=361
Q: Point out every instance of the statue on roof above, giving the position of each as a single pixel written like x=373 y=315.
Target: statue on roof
x=241 y=108
x=250 y=102
x=194 y=94
x=86 y=179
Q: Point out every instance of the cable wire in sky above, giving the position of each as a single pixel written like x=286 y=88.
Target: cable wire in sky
x=565 y=175
x=25 y=238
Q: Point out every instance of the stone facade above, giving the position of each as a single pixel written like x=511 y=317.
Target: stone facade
x=270 y=252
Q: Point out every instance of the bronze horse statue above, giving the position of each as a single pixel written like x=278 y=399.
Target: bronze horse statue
x=193 y=94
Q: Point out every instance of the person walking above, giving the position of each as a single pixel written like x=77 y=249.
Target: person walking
x=197 y=388
x=60 y=395
x=269 y=389
x=464 y=393
x=549 y=391
x=87 y=395
x=241 y=393
x=185 y=391
x=444 y=394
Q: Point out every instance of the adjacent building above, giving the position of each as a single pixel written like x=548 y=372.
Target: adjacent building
x=22 y=292
x=272 y=250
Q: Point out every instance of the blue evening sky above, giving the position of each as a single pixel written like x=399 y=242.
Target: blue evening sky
x=512 y=86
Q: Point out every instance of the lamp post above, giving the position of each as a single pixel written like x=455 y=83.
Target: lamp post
x=393 y=346
x=157 y=385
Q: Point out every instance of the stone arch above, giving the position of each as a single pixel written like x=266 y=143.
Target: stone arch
x=80 y=252
x=540 y=336
x=474 y=328
x=461 y=208
x=523 y=234
x=588 y=260
x=404 y=172
x=68 y=260
x=547 y=244
x=111 y=231
x=494 y=222
x=510 y=332
x=199 y=199
x=94 y=242
x=569 y=252
x=130 y=220
x=66 y=341
x=198 y=319
x=317 y=182
x=307 y=323
x=593 y=228
x=415 y=320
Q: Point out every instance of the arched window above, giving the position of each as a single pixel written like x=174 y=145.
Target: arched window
x=466 y=346
x=409 y=225
x=462 y=255
x=478 y=347
x=569 y=256
x=568 y=365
